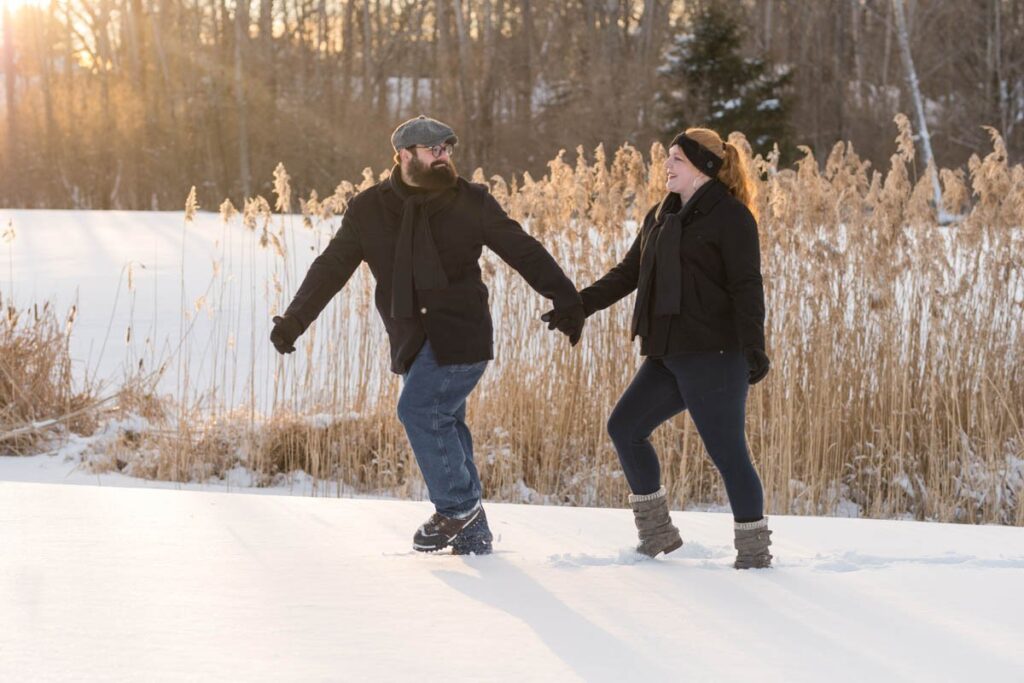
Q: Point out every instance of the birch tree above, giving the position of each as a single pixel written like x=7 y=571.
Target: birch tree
x=915 y=94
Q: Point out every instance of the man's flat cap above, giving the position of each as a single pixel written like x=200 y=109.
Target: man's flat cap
x=422 y=130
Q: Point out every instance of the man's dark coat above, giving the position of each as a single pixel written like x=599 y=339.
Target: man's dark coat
x=453 y=312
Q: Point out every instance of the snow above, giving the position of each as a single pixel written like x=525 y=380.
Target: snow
x=70 y=464
x=117 y=583
x=84 y=258
x=119 y=578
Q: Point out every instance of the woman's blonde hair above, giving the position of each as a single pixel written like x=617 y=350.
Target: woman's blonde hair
x=735 y=172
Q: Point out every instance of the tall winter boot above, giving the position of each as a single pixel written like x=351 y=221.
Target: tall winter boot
x=657 y=533
x=752 y=541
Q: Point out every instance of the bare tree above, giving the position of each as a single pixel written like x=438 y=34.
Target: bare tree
x=241 y=101
x=10 y=86
x=464 y=69
x=127 y=103
x=915 y=93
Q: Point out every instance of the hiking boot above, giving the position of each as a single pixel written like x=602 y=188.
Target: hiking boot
x=440 y=531
x=752 y=541
x=657 y=533
x=475 y=539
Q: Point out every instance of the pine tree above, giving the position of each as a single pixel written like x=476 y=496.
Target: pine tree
x=707 y=82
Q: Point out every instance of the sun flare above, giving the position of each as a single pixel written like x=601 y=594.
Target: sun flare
x=14 y=5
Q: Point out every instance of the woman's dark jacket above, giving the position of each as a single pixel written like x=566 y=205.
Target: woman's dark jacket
x=434 y=252
x=697 y=270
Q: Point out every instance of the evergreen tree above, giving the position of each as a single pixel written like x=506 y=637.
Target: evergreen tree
x=707 y=82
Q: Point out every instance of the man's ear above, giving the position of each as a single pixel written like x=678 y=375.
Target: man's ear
x=403 y=155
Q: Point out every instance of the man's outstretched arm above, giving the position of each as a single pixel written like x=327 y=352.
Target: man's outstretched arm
x=527 y=256
x=326 y=276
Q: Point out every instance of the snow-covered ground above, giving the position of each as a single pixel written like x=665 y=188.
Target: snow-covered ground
x=141 y=270
x=119 y=578
x=119 y=583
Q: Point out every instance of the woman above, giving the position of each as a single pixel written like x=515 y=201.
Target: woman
x=700 y=314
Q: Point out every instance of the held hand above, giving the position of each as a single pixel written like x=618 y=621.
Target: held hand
x=569 y=321
x=286 y=330
x=758 y=363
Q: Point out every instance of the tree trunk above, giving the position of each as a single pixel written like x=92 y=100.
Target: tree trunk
x=858 y=59
x=487 y=92
x=444 y=60
x=107 y=175
x=266 y=155
x=368 y=81
x=840 y=78
x=348 y=48
x=266 y=22
x=321 y=49
x=51 y=145
x=156 y=20
x=11 y=156
x=137 y=70
x=465 y=79
x=652 y=18
x=887 y=51
x=915 y=92
x=241 y=101
x=380 y=70
x=524 y=83
x=997 y=66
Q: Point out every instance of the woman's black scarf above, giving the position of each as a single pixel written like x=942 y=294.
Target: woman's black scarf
x=661 y=254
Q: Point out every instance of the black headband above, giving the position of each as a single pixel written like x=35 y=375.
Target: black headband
x=706 y=161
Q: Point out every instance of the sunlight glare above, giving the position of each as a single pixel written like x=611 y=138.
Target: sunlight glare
x=14 y=5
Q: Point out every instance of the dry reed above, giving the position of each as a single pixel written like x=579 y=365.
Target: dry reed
x=37 y=393
x=894 y=329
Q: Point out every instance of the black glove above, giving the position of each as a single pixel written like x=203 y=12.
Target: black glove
x=286 y=330
x=569 y=321
x=758 y=363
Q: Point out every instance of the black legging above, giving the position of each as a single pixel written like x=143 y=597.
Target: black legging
x=713 y=387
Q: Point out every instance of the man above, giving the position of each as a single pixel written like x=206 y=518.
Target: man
x=421 y=231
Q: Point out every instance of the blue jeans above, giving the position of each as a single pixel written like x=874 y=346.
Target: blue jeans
x=713 y=387
x=432 y=408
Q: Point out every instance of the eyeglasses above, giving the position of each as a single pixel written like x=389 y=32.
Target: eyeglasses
x=447 y=148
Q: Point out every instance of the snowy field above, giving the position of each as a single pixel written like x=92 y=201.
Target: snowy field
x=116 y=578
x=217 y=273
x=114 y=583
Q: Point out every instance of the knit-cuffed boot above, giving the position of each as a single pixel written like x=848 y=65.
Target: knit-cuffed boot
x=657 y=533
x=752 y=541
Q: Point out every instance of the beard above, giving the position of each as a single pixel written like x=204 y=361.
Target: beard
x=438 y=175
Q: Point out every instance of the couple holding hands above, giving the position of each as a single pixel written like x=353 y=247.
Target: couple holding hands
x=699 y=312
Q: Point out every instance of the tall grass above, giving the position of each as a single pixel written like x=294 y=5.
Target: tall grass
x=38 y=394
x=894 y=328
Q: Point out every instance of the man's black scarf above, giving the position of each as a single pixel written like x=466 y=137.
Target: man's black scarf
x=417 y=264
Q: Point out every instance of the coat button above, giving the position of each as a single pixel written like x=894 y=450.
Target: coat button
x=423 y=310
